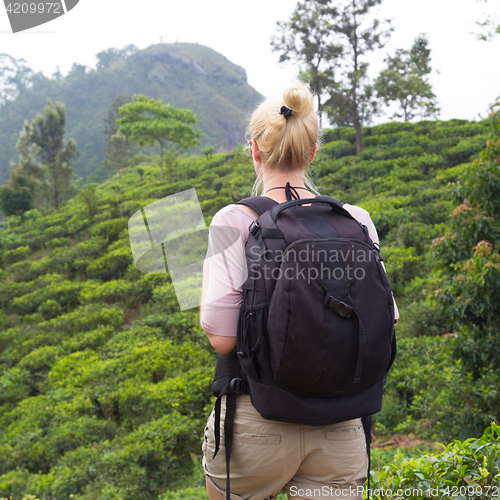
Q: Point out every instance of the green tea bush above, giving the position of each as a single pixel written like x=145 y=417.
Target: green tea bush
x=23 y=271
x=337 y=149
x=340 y=134
x=195 y=493
x=50 y=309
x=109 y=292
x=66 y=293
x=86 y=317
x=465 y=150
x=464 y=470
x=16 y=255
x=437 y=146
x=392 y=128
x=77 y=224
x=421 y=317
x=87 y=251
x=385 y=153
x=60 y=260
x=386 y=139
x=20 y=340
x=428 y=162
x=92 y=339
x=109 y=229
x=402 y=265
x=412 y=234
x=450 y=129
x=420 y=367
x=111 y=265
x=58 y=242
x=15 y=387
x=10 y=290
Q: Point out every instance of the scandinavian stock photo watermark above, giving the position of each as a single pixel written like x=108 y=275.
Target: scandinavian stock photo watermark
x=310 y=263
x=24 y=15
x=170 y=235
x=459 y=492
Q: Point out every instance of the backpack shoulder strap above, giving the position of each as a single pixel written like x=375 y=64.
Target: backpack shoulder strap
x=258 y=204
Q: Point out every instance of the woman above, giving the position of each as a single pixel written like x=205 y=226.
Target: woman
x=269 y=456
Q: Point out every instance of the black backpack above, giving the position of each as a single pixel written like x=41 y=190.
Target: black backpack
x=315 y=334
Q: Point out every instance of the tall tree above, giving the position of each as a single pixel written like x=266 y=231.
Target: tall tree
x=15 y=76
x=307 y=38
x=405 y=80
x=28 y=167
x=147 y=121
x=119 y=151
x=352 y=96
x=55 y=155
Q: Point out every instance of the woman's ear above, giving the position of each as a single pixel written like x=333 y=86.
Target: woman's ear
x=257 y=155
x=313 y=153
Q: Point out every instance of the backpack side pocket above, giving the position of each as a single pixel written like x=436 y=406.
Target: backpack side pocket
x=252 y=344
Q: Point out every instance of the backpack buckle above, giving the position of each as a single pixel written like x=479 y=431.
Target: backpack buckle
x=254 y=227
x=237 y=386
x=378 y=253
x=341 y=308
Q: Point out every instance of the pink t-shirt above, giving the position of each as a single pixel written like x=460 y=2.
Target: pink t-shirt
x=226 y=273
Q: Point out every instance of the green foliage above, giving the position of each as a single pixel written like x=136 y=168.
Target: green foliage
x=337 y=149
x=352 y=99
x=340 y=134
x=87 y=195
x=199 y=493
x=306 y=38
x=403 y=265
x=119 y=152
x=208 y=151
x=106 y=384
x=468 y=469
x=468 y=276
x=110 y=292
x=147 y=121
x=405 y=81
x=109 y=229
x=17 y=194
x=47 y=134
x=108 y=57
x=15 y=255
x=185 y=75
x=328 y=40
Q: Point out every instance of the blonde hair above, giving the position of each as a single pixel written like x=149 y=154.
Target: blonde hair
x=286 y=144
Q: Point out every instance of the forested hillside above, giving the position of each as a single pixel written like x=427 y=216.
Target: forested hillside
x=106 y=384
x=185 y=75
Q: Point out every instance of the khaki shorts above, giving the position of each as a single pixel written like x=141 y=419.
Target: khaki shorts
x=317 y=462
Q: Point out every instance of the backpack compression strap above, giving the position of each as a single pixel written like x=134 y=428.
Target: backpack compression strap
x=367 y=427
x=235 y=385
x=259 y=204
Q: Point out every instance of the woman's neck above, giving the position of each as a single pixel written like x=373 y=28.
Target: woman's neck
x=270 y=183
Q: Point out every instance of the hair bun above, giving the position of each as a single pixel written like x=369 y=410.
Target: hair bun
x=298 y=99
x=286 y=143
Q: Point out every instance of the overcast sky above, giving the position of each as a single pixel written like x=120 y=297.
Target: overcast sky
x=466 y=82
